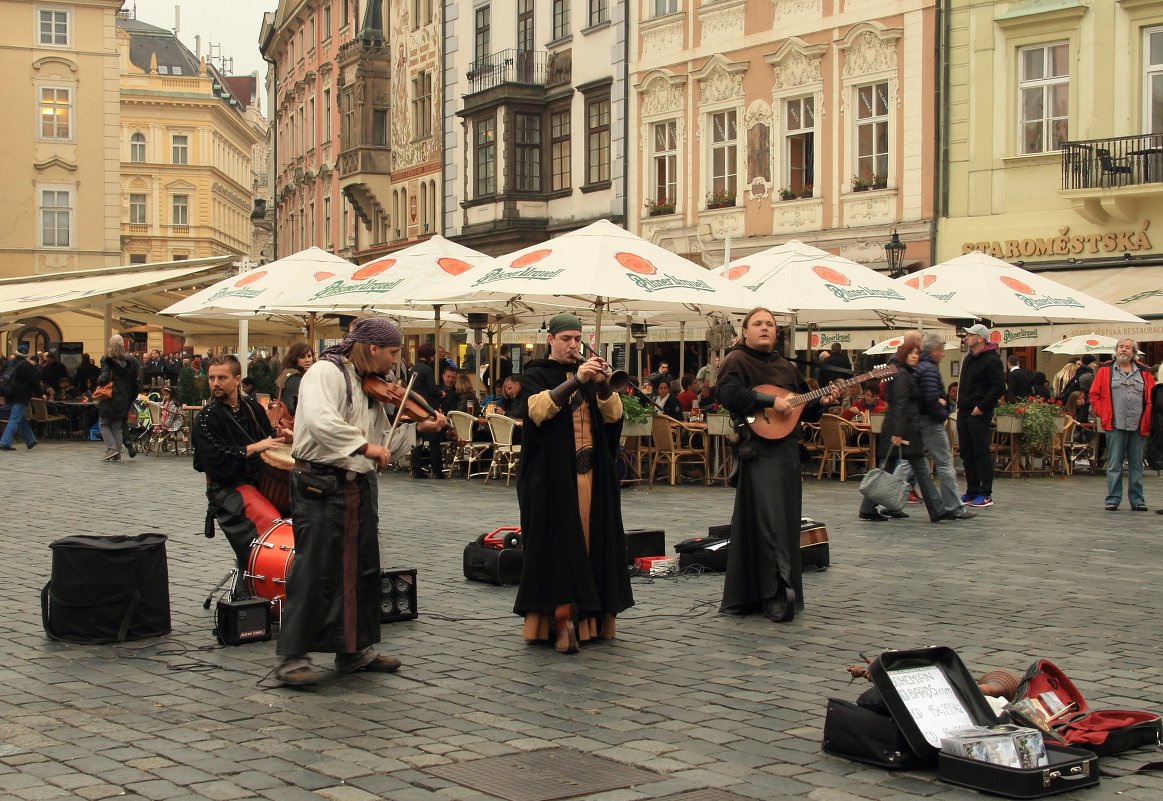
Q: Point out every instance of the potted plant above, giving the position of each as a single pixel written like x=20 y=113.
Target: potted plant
x=806 y=191
x=635 y=417
x=660 y=205
x=787 y=194
x=720 y=199
x=879 y=181
x=1034 y=418
x=859 y=184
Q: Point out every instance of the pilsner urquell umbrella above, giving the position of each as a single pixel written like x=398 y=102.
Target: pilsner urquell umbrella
x=1083 y=344
x=599 y=268
x=1003 y=294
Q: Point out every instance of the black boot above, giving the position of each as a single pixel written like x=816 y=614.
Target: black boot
x=418 y=462
x=781 y=608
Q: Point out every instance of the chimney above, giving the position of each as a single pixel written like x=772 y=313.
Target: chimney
x=198 y=47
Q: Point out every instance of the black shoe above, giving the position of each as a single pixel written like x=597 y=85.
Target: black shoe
x=30 y=445
x=872 y=516
x=132 y=451
x=781 y=608
x=1159 y=511
x=1142 y=507
x=896 y=515
x=6 y=448
x=1111 y=507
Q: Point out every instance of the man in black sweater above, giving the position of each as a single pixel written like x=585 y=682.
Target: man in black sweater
x=982 y=385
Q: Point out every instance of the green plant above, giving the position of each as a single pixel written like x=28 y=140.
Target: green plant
x=807 y=191
x=720 y=199
x=660 y=205
x=879 y=181
x=1038 y=421
x=633 y=411
x=787 y=194
x=188 y=391
x=859 y=184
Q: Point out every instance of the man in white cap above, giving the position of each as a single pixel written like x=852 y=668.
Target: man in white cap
x=983 y=380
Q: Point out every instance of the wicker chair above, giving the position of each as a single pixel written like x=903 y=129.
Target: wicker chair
x=843 y=441
x=505 y=453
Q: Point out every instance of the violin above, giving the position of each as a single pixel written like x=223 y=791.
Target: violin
x=415 y=408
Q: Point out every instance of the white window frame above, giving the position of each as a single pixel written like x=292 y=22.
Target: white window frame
x=327 y=223
x=560 y=19
x=1151 y=71
x=670 y=159
x=68 y=15
x=69 y=106
x=143 y=206
x=70 y=193
x=709 y=114
x=174 y=149
x=327 y=114
x=144 y=144
x=185 y=209
x=1043 y=84
x=873 y=120
x=663 y=8
x=788 y=133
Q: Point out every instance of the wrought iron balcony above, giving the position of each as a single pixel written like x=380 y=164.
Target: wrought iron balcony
x=1114 y=162
x=526 y=67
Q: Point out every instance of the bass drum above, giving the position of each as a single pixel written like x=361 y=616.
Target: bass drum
x=270 y=562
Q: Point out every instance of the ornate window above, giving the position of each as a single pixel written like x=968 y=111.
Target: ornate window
x=56 y=218
x=724 y=156
x=180 y=149
x=527 y=142
x=180 y=210
x=872 y=133
x=664 y=7
x=486 y=156
x=664 y=164
x=379 y=127
x=597 y=139
x=56 y=112
x=137 y=148
x=137 y=209
x=1043 y=97
x=800 y=142
x=422 y=105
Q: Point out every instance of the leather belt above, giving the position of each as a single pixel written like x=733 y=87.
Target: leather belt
x=585 y=460
x=318 y=468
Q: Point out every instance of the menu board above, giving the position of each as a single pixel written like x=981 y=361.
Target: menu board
x=931 y=701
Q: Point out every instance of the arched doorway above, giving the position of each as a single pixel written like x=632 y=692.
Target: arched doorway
x=38 y=332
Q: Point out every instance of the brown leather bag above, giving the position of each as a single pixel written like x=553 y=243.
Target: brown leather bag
x=103 y=392
x=280 y=416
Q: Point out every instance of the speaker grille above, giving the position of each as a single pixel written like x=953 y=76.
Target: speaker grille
x=398 y=599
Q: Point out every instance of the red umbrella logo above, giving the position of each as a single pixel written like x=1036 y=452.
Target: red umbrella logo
x=738 y=271
x=894 y=343
x=921 y=282
x=323 y=276
x=1016 y=285
x=635 y=263
x=250 y=278
x=831 y=276
x=530 y=258
x=815 y=340
x=375 y=268
x=995 y=336
x=453 y=266
x=1092 y=342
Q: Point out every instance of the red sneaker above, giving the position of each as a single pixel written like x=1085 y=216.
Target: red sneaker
x=914 y=497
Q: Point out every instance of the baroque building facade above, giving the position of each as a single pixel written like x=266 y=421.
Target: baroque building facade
x=187 y=148
x=789 y=119
x=534 y=119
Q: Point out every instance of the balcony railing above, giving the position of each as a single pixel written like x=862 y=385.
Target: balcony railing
x=508 y=66
x=1118 y=161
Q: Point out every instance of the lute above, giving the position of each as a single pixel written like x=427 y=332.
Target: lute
x=769 y=425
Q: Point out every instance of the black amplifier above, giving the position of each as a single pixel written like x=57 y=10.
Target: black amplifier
x=247 y=620
x=398 y=598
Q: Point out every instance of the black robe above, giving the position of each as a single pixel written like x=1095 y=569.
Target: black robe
x=220 y=436
x=557 y=569
x=765 y=525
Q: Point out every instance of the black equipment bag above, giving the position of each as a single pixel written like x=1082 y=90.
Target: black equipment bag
x=866 y=734
x=710 y=552
x=496 y=557
x=107 y=589
x=644 y=542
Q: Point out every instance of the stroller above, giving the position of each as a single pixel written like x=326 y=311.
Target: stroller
x=139 y=425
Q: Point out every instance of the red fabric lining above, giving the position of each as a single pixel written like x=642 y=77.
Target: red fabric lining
x=1093 y=729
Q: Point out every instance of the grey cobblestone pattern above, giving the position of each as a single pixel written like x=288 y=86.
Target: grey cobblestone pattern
x=706 y=700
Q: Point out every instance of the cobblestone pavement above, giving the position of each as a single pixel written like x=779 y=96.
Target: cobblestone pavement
x=705 y=700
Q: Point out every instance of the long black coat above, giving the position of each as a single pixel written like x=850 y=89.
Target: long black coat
x=903 y=418
x=1155 y=440
x=122 y=372
x=557 y=569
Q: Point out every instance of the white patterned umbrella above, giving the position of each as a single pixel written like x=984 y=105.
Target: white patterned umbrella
x=1083 y=344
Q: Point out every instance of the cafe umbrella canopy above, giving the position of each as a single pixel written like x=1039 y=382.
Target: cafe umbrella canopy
x=823 y=288
x=603 y=269
x=1004 y=294
x=1083 y=344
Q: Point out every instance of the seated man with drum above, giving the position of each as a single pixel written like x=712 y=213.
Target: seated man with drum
x=229 y=435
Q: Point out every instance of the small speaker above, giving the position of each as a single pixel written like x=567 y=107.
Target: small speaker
x=247 y=620
x=398 y=595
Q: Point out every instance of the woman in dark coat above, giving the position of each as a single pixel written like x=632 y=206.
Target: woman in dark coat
x=902 y=425
x=299 y=358
x=112 y=414
x=1155 y=440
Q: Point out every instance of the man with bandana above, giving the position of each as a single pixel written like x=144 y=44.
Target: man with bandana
x=575 y=579
x=333 y=587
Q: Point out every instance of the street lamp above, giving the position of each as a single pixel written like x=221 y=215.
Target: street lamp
x=894 y=250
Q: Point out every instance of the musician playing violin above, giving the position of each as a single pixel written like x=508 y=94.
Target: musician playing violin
x=763 y=563
x=333 y=588
x=575 y=580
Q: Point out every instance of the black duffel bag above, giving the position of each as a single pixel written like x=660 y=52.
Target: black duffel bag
x=107 y=589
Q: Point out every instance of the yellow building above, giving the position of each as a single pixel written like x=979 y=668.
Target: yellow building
x=1054 y=150
x=186 y=149
x=59 y=142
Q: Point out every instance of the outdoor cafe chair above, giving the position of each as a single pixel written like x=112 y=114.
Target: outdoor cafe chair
x=467 y=451
x=39 y=416
x=505 y=453
x=843 y=441
x=670 y=450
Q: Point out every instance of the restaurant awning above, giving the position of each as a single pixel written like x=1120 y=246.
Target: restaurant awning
x=1136 y=289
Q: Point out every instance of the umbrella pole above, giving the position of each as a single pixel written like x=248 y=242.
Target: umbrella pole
x=436 y=334
x=598 y=306
x=681 y=348
x=626 y=352
x=244 y=344
x=311 y=330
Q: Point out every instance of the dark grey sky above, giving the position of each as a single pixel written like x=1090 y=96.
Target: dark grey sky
x=234 y=24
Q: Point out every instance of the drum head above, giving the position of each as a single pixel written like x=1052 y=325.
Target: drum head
x=280 y=457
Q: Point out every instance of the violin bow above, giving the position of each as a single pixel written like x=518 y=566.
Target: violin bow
x=400 y=411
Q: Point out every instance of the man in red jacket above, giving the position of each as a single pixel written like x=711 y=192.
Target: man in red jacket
x=1121 y=397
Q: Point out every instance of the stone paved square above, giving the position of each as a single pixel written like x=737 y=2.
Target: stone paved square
x=707 y=701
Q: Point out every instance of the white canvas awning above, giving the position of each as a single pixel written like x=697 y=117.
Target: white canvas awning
x=1138 y=290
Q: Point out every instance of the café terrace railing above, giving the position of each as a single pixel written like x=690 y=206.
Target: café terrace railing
x=1113 y=162
x=508 y=66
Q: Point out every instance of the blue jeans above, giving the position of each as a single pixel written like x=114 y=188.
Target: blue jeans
x=937 y=444
x=1122 y=445
x=18 y=420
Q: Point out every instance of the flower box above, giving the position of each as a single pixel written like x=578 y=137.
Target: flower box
x=1008 y=424
x=660 y=210
x=641 y=429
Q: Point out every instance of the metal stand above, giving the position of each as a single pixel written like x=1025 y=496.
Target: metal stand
x=230 y=578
